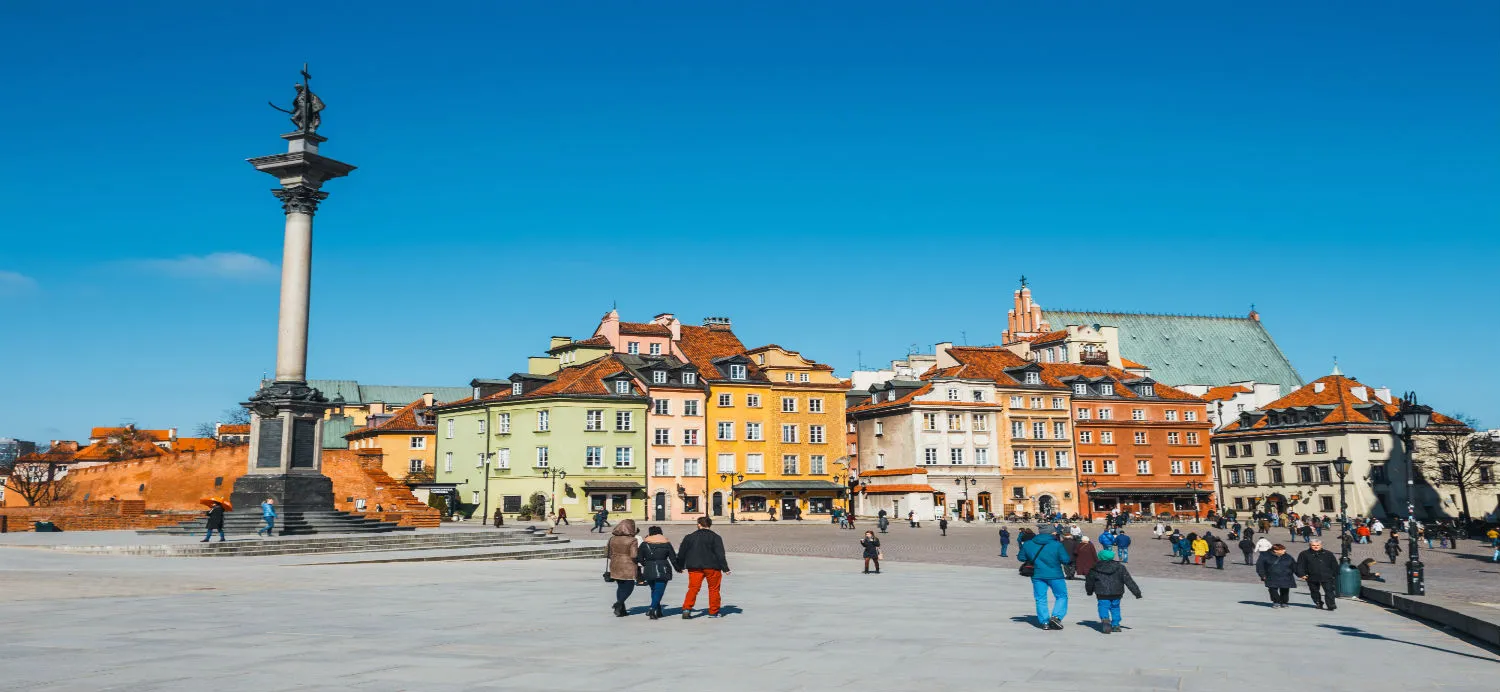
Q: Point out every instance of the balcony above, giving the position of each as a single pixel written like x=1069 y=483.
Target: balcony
x=1094 y=357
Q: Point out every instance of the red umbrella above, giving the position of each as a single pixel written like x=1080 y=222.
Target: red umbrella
x=210 y=501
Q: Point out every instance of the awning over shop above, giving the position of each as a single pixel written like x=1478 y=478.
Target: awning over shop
x=895 y=488
x=815 y=486
x=1148 y=492
x=612 y=485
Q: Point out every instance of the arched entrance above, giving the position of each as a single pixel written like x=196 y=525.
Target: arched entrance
x=984 y=502
x=661 y=505
x=718 y=504
x=1046 y=505
x=1276 y=503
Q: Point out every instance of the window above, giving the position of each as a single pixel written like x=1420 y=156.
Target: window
x=1301 y=446
x=755 y=463
x=1250 y=476
x=1086 y=436
x=593 y=457
x=690 y=436
x=450 y=428
x=516 y=389
x=624 y=457
x=1375 y=444
x=956 y=422
x=1086 y=466
x=1320 y=446
x=879 y=461
x=980 y=421
x=633 y=347
x=956 y=455
x=662 y=436
x=658 y=376
x=879 y=428
x=690 y=502
x=929 y=421
x=1107 y=389
x=752 y=432
x=737 y=372
x=726 y=463
x=1326 y=502
x=1059 y=430
x=789 y=465
x=1038 y=430
x=815 y=434
x=1378 y=474
x=661 y=467
x=1325 y=473
x=1018 y=459
x=802 y=377
x=1234 y=476
x=789 y=433
x=624 y=421
x=1015 y=402
x=1137 y=414
x=1190 y=416
x=1176 y=466
x=690 y=407
x=814 y=405
x=1192 y=438
x=1083 y=413
x=1148 y=390
x=1195 y=467
x=593 y=419
x=1276 y=478
x=726 y=430
x=1239 y=503
x=1018 y=492
x=543 y=420
x=1140 y=437
x=689 y=378
x=1017 y=429
x=502 y=458
x=1142 y=467
x=1230 y=451
x=1061 y=457
x=692 y=467
x=1080 y=389
x=418 y=442
x=930 y=456
x=541 y=457
x=1174 y=438
x=1273 y=448
x=1304 y=474
x=1171 y=415
x=1486 y=473
x=982 y=456
x=788 y=404
x=448 y=462
x=1033 y=377
x=662 y=407
x=978 y=395
x=1040 y=457
x=622 y=386
x=655 y=349
x=954 y=394
x=1106 y=413
x=1106 y=437
x=502 y=424
x=726 y=400
x=1109 y=465
x=1036 y=402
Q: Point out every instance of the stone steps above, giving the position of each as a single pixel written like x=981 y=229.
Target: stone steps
x=556 y=551
x=291 y=523
x=324 y=544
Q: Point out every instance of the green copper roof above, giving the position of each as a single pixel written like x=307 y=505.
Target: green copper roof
x=356 y=393
x=334 y=430
x=1193 y=349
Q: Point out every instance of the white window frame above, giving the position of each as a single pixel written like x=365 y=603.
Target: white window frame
x=789 y=433
x=593 y=457
x=418 y=442
x=503 y=424
x=815 y=435
x=655 y=349
x=690 y=378
x=1195 y=468
x=788 y=404
x=447 y=462
x=593 y=419
x=451 y=426
x=1018 y=458
x=955 y=455
x=624 y=457
x=791 y=465
x=738 y=372
x=1109 y=465
x=543 y=457
x=754 y=432
x=726 y=400
x=955 y=422
x=661 y=436
x=724 y=430
x=1086 y=466
x=543 y=420
x=1142 y=467
x=661 y=466
x=624 y=421
x=755 y=462
x=817 y=465
x=726 y=462
x=502 y=458
x=690 y=437
x=814 y=405
x=662 y=407
x=1176 y=467
x=658 y=376
x=752 y=400
x=930 y=456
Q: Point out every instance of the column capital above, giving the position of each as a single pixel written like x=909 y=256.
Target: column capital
x=299 y=199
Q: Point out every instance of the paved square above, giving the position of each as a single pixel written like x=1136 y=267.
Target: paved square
x=78 y=622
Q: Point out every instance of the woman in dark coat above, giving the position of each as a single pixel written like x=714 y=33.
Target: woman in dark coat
x=872 y=551
x=215 y=522
x=1278 y=571
x=1392 y=547
x=621 y=553
x=655 y=556
x=1085 y=556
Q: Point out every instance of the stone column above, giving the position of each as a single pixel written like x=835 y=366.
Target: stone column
x=300 y=203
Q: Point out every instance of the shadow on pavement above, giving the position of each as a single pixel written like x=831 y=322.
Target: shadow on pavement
x=1357 y=632
x=1267 y=604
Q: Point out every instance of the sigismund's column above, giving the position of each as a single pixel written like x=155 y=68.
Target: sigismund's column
x=286 y=425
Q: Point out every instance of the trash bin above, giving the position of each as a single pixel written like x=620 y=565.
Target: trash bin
x=1348 y=580
x=45 y=527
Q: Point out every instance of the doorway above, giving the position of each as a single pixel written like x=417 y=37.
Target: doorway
x=661 y=505
x=984 y=504
x=718 y=504
x=1046 y=505
x=789 y=508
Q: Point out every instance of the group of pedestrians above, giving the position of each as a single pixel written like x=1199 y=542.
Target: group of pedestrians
x=652 y=562
x=1049 y=563
x=1317 y=567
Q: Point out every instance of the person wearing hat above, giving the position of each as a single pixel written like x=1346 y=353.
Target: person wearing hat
x=1107 y=582
x=1046 y=556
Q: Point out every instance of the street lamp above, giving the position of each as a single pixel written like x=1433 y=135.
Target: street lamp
x=1410 y=420
x=724 y=478
x=965 y=481
x=554 y=475
x=1341 y=467
x=1088 y=484
x=1196 y=486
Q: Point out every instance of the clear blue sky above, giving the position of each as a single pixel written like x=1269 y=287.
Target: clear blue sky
x=846 y=179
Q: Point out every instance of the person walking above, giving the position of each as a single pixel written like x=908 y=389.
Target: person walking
x=1122 y=546
x=1046 y=556
x=883 y=522
x=871 y=545
x=621 y=552
x=655 y=556
x=1278 y=571
x=600 y=517
x=1219 y=550
x=1159 y=531
x=1393 y=547
x=1107 y=582
x=1200 y=550
x=1320 y=569
x=701 y=553
x=1247 y=546
x=1107 y=540
x=1494 y=537
x=911 y=518
x=268 y=514
x=1306 y=532
x=562 y=517
x=1004 y=541
x=1262 y=546
x=499 y=518
x=943 y=525
x=1085 y=556
x=215 y=522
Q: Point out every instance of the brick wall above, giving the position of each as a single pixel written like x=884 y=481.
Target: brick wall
x=93 y=516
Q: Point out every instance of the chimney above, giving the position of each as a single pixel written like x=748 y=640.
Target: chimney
x=1317 y=387
x=377 y=408
x=941 y=351
x=559 y=341
x=427 y=399
x=721 y=324
x=1361 y=393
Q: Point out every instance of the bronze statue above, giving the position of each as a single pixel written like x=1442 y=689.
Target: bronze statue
x=306 y=106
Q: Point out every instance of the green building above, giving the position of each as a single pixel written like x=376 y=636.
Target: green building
x=574 y=433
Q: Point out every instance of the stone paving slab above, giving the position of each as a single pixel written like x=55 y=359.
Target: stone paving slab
x=792 y=623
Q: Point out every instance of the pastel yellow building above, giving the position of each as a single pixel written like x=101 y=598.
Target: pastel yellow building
x=406 y=438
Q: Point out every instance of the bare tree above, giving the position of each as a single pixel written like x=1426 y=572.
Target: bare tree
x=205 y=430
x=236 y=415
x=36 y=479
x=127 y=443
x=1458 y=456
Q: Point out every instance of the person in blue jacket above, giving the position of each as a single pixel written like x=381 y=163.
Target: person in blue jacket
x=1047 y=556
x=1122 y=546
x=1107 y=540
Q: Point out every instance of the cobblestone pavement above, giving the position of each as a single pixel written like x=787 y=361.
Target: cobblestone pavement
x=169 y=624
x=1465 y=574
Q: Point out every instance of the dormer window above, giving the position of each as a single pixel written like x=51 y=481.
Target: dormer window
x=476 y=393
x=1033 y=377
x=659 y=377
x=953 y=394
x=1081 y=389
x=737 y=372
x=891 y=396
x=1148 y=390
x=655 y=349
x=1107 y=389
x=633 y=348
x=622 y=386
x=516 y=389
x=690 y=378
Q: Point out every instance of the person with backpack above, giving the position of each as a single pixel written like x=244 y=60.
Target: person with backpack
x=1107 y=582
x=1218 y=549
x=655 y=556
x=1042 y=559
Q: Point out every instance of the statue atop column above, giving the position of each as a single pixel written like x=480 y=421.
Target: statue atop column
x=307 y=108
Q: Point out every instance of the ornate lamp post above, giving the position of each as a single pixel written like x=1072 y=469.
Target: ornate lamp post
x=554 y=475
x=965 y=481
x=725 y=478
x=1085 y=495
x=1196 y=486
x=1341 y=467
x=1410 y=420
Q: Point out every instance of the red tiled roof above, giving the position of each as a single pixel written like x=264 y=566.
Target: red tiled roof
x=897 y=488
x=404 y=419
x=703 y=345
x=866 y=405
x=234 y=429
x=195 y=444
x=103 y=451
x=1226 y=392
x=586 y=379
x=873 y=473
x=644 y=329
x=1049 y=337
x=155 y=435
x=1338 y=392
x=591 y=341
x=1052 y=371
x=1132 y=364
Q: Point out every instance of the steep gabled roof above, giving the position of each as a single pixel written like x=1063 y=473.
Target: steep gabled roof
x=1226 y=392
x=1049 y=337
x=581 y=380
x=704 y=345
x=1193 y=349
x=1336 y=401
x=404 y=420
x=644 y=329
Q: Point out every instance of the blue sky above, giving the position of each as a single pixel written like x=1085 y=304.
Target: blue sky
x=846 y=179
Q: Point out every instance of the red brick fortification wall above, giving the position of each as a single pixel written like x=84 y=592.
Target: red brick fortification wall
x=175 y=482
x=93 y=516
